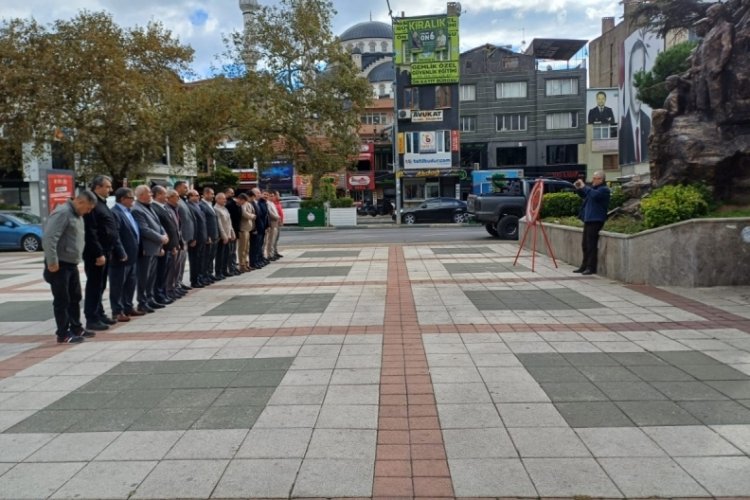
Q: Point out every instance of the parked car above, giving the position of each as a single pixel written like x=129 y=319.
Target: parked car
x=435 y=210
x=20 y=230
x=499 y=212
x=290 y=205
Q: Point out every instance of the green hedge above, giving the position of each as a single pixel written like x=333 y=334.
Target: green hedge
x=670 y=204
x=343 y=202
x=313 y=203
x=561 y=205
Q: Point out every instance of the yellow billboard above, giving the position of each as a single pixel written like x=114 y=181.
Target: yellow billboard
x=429 y=47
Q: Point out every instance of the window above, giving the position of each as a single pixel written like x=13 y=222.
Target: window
x=468 y=124
x=605 y=132
x=562 y=86
x=562 y=154
x=414 y=189
x=431 y=190
x=442 y=96
x=467 y=93
x=507 y=157
x=372 y=46
x=374 y=119
x=510 y=90
x=384 y=46
x=511 y=123
x=381 y=90
x=610 y=162
x=510 y=62
x=568 y=119
x=411 y=98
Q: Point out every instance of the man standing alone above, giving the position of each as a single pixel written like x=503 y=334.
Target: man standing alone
x=63 y=243
x=594 y=215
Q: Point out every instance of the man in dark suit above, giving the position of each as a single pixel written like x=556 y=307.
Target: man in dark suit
x=195 y=253
x=153 y=239
x=174 y=284
x=187 y=228
x=212 y=233
x=123 y=267
x=235 y=214
x=601 y=114
x=257 y=236
x=101 y=235
x=163 y=263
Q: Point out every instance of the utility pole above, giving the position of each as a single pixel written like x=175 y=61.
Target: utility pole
x=394 y=92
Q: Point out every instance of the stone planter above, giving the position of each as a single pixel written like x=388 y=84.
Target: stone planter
x=342 y=216
x=693 y=253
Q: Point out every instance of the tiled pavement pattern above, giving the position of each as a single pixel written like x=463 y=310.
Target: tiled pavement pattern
x=404 y=371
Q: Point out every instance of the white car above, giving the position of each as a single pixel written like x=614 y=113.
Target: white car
x=290 y=205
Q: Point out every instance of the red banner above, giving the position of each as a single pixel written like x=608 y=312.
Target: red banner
x=60 y=188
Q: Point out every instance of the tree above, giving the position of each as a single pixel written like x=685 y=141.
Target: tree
x=101 y=91
x=651 y=84
x=305 y=97
x=664 y=16
x=221 y=178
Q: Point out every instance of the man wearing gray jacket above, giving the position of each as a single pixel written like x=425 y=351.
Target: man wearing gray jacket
x=153 y=239
x=187 y=226
x=63 y=243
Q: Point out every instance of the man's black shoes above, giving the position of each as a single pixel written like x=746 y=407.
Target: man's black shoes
x=579 y=270
x=96 y=325
x=70 y=339
x=587 y=272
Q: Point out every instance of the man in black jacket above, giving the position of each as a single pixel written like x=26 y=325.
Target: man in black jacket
x=195 y=253
x=235 y=214
x=259 y=232
x=101 y=235
x=212 y=233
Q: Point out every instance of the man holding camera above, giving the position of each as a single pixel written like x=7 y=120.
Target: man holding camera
x=593 y=214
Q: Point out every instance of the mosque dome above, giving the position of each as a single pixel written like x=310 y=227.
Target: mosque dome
x=369 y=29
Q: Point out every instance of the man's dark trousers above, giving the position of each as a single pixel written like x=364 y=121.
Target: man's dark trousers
x=146 y=279
x=96 y=283
x=122 y=281
x=195 y=256
x=66 y=293
x=590 y=244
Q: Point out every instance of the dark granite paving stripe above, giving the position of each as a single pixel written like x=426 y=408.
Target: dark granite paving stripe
x=410 y=460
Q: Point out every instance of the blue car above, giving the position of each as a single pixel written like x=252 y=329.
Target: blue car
x=20 y=230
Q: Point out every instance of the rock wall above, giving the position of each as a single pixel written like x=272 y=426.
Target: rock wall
x=703 y=132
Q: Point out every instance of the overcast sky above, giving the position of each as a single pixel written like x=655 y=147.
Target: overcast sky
x=201 y=23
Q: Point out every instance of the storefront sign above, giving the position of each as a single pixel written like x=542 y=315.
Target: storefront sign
x=358 y=181
x=435 y=115
x=430 y=46
x=60 y=188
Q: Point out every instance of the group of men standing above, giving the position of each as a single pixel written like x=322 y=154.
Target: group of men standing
x=142 y=245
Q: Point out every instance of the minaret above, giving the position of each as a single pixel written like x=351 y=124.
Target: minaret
x=249 y=10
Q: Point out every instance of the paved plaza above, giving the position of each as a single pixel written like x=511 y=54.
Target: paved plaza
x=388 y=371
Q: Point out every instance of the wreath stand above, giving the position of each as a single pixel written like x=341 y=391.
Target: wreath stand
x=533 y=208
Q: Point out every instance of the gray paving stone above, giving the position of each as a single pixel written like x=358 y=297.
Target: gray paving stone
x=735 y=389
x=348 y=417
x=656 y=413
x=517 y=392
x=556 y=374
x=243 y=305
x=137 y=398
x=608 y=374
x=647 y=477
x=572 y=391
x=637 y=359
x=286 y=416
x=40 y=480
x=16 y=311
x=490 y=477
x=73 y=447
x=243 y=396
x=501 y=375
x=334 y=478
x=80 y=400
x=530 y=415
x=455 y=374
x=553 y=442
x=721 y=476
x=495 y=359
x=717 y=412
x=468 y=416
x=106 y=382
x=108 y=420
x=593 y=414
x=326 y=254
x=738 y=435
x=306 y=377
x=275 y=443
x=619 y=442
x=190 y=398
x=714 y=372
x=568 y=477
x=354 y=444
x=49 y=421
x=680 y=358
x=343 y=376
x=208 y=444
x=298 y=395
x=112 y=480
x=311 y=272
x=688 y=391
x=352 y=395
x=262 y=364
x=543 y=359
x=660 y=373
x=461 y=393
x=630 y=391
x=691 y=441
x=181 y=479
x=167 y=419
x=478 y=443
x=140 y=445
x=258 y=478
x=228 y=417
x=16 y=447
